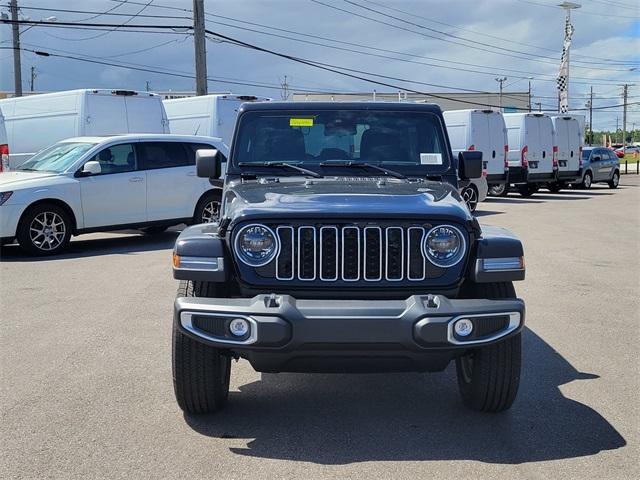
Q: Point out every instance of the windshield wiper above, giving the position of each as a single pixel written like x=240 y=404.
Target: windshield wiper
x=352 y=164
x=292 y=166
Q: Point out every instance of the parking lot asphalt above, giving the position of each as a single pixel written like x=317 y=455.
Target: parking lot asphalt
x=86 y=371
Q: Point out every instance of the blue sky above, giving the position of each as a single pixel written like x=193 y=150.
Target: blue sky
x=458 y=44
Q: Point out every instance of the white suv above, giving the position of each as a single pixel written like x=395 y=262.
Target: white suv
x=89 y=184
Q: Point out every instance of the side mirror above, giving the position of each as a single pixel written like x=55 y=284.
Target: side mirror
x=208 y=163
x=91 y=168
x=469 y=165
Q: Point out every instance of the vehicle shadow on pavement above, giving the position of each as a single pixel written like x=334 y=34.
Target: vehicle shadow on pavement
x=341 y=419
x=486 y=213
x=80 y=247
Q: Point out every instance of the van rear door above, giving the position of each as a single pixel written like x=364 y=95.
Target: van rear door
x=104 y=114
x=562 y=142
x=498 y=142
x=227 y=113
x=574 y=137
x=545 y=132
x=145 y=114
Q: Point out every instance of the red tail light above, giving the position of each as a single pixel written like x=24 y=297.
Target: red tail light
x=506 y=154
x=4 y=157
x=555 y=157
x=523 y=157
x=580 y=162
x=471 y=148
x=484 y=172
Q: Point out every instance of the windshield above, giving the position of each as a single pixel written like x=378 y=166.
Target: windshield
x=407 y=141
x=56 y=158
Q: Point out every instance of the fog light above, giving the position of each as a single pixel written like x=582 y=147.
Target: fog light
x=239 y=327
x=463 y=327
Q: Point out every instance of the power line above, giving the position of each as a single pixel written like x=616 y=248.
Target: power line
x=484 y=34
x=492 y=73
x=473 y=45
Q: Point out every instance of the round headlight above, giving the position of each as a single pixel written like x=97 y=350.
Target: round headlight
x=256 y=245
x=444 y=246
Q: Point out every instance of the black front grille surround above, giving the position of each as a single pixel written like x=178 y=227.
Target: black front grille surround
x=362 y=254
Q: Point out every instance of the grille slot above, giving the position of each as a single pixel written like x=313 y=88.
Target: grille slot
x=352 y=253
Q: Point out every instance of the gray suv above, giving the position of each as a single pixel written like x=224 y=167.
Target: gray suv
x=598 y=165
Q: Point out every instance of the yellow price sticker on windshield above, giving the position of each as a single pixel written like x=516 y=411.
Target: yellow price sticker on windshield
x=301 y=122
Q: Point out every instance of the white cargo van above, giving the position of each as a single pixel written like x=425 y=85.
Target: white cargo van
x=35 y=122
x=209 y=115
x=531 y=155
x=483 y=131
x=569 y=141
x=4 y=146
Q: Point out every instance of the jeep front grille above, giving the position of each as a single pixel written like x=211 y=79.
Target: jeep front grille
x=352 y=253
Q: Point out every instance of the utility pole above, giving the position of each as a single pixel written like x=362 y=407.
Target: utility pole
x=147 y=86
x=617 y=127
x=33 y=77
x=625 y=91
x=539 y=104
x=529 y=95
x=17 y=67
x=501 y=80
x=285 y=89
x=200 y=47
x=591 y=116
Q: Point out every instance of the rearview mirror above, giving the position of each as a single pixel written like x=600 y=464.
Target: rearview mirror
x=469 y=165
x=92 y=168
x=208 y=163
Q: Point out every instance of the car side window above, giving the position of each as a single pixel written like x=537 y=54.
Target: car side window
x=117 y=159
x=162 y=155
x=193 y=147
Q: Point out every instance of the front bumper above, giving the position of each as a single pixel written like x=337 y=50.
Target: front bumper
x=9 y=218
x=289 y=334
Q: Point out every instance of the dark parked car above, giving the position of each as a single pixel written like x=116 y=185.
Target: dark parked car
x=598 y=165
x=343 y=245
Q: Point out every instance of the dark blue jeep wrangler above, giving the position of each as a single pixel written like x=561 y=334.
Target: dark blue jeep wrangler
x=342 y=245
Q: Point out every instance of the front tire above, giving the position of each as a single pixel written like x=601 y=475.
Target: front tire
x=201 y=373
x=44 y=229
x=587 y=181
x=615 y=180
x=489 y=376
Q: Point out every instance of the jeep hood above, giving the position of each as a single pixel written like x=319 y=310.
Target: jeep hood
x=342 y=197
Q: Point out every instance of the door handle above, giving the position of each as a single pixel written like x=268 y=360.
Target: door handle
x=135 y=179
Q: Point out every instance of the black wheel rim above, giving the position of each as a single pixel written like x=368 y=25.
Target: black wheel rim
x=470 y=197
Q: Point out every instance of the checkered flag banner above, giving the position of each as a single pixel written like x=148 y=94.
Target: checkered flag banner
x=563 y=77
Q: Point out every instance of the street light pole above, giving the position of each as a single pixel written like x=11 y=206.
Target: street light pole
x=563 y=77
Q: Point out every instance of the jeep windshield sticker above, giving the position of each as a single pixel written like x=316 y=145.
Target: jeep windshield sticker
x=431 y=159
x=301 y=122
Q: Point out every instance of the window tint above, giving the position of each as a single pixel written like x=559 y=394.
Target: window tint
x=117 y=159
x=193 y=147
x=162 y=155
